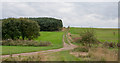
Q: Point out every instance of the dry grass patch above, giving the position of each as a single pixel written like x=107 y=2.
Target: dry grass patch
x=103 y=54
x=81 y=52
x=95 y=54
x=36 y=57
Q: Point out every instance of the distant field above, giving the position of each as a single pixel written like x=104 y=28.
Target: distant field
x=102 y=34
x=54 y=37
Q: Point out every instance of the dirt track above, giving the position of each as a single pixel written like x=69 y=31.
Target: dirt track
x=65 y=47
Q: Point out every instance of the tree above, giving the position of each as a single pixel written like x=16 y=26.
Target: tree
x=15 y=28
x=10 y=28
x=48 y=24
x=29 y=29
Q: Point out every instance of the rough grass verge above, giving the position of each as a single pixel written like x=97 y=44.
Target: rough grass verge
x=80 y=49
x=103 y=54
x=36 y=57
x=24 y=43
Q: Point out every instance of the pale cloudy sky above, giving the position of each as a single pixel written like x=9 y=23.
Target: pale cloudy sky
x=91 y=14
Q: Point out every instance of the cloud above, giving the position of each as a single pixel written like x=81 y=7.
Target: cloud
x=59 y=0
x=0 y=10
x=94 y=20
x=72 y=13
x=91 y=20
x=14 y=9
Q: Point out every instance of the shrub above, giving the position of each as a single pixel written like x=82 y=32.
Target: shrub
x=112 y=45
x=79 y=49
x=118 y=44
x=106 y=44
x=88 y=37
x=24 y=43
x=109 y=44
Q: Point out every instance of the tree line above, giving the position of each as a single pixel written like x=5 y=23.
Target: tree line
x=48 y=24
x=28 y=28
x=15 y=28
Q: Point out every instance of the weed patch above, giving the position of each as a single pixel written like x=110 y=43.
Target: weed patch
x=80 y=49
x=24 y=43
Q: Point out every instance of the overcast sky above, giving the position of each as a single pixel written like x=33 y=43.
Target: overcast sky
x=90 y=14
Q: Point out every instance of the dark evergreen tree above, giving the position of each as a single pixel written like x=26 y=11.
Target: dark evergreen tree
x=48 y=24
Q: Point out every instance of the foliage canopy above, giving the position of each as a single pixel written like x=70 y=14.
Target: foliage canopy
x=48 y=24
x=13 y=28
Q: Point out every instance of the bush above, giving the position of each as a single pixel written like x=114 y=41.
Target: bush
x=79 y=49
x=106 y=44
x=112 y=45
x=118 y=44
x=24 y=43
x=88 y=37
x=109 y=44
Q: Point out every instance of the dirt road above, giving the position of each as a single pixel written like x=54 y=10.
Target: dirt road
x=65 y=47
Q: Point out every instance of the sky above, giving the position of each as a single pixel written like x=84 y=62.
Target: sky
x=74 y=14
x=59 y=0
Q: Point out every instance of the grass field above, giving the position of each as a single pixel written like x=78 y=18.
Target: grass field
x=54 y=37
x=102 y=34
x=62 y=56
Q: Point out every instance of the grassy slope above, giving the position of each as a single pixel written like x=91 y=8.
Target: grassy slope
x=62 y=56
x=102 y=34
x=54 y=37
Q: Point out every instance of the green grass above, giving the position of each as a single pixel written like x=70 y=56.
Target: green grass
x=102 y=34
x=65 y=38
x=62 y=56
x=54 y=37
